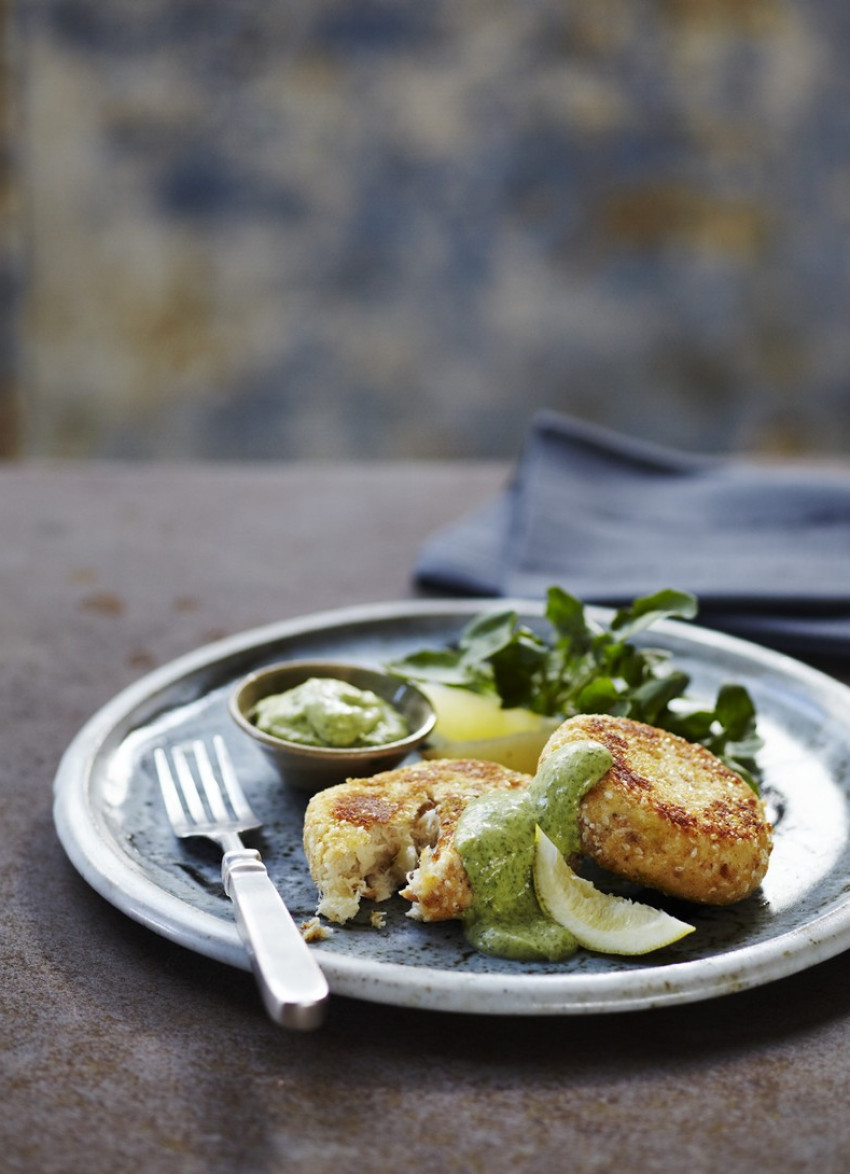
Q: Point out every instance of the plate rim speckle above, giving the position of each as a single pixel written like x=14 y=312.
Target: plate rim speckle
x=94 y=851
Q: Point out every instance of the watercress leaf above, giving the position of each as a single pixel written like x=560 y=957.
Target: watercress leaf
x=487 y=633
x=517 y=670
x=694 y=726
x=651 y=698
x=566 y=614
x=443 y=666
x=646 y=610
x=628 y=663
x=735 y=711
x=602 y=696
x=608 y=651
x=563 y=678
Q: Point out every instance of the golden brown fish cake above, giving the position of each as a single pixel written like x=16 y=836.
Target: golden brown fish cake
x=364 y=837
x=669 y=814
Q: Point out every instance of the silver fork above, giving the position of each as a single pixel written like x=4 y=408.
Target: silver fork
x=293 y=987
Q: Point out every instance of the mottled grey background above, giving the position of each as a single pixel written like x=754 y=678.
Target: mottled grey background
x=357 y=228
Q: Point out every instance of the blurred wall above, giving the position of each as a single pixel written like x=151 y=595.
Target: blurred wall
x=395 y=227
x=9 y=246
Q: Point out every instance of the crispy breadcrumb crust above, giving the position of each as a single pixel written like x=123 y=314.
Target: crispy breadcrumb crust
x=669 y=814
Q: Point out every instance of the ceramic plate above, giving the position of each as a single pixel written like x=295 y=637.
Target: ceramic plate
x=110 y=821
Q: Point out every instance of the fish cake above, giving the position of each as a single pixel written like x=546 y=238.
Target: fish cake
x=365 y=838
x=669 y=814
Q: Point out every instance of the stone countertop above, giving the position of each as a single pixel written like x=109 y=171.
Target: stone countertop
x=121 y=1050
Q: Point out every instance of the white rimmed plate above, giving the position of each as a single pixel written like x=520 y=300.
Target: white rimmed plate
x=111 y=823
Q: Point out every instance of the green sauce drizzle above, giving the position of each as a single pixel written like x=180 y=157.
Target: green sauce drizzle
x=495 y=838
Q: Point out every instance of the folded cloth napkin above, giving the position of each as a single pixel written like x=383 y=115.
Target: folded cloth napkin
x=766 y=548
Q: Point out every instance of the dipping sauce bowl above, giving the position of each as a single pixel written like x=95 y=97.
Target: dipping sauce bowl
x=311 y=768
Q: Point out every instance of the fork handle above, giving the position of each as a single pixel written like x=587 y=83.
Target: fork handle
x=293 y=987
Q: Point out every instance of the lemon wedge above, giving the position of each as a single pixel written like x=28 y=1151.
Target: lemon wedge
x=515 y=751
x=599 y=921
x=472 y=725
x=464 y=716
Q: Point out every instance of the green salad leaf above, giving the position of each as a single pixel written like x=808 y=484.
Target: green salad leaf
x=583 y=666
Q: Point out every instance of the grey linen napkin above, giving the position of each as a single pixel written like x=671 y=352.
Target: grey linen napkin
x=765 y=548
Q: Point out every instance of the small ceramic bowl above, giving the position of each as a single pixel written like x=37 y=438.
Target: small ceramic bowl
x=312 y=768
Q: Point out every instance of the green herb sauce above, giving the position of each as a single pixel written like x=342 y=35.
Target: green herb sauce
x=326 y=712
x=495 y=838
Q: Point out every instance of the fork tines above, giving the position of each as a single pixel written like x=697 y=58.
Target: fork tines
x=203 y=794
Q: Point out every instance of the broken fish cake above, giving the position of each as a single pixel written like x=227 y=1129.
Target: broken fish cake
x=365 y=838
x=669 y=814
